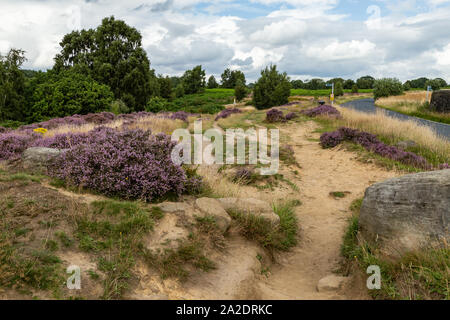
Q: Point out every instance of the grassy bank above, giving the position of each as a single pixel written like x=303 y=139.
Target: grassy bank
x=413 y=104
x=417 y=275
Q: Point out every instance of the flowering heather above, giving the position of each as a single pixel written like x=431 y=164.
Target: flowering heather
x=180 y=115
x=291 y=115
x=129 y=164
x=371 y=143
x=4 y=130
x=244 y=175
x=274 y=115
x=12 y=145
x=331 y=139
x=62 y=141
x=227 y=112
x=322 y=110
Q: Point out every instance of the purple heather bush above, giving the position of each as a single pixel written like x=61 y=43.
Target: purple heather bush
x=227 y=112
x=291 y=115
x=180 y=115
x=275 y=115
x=129 y=164
x=322 y=110
x=244 y=175
x=62 y=141
x=12 y=144
x=371 y=143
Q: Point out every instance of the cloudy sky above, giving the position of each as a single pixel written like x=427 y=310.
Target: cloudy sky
x=306 y=38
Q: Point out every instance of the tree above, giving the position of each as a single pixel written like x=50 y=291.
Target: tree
x=366 y=82
x=348 y=84
x=297 y=84
x=111 y=54
x=68 y=93
x=355 y=88
x=315 y=84
x=387 y=87
x=194 y=80
x=272 y=88
x=165 y=87
x=212 y=83
x=338 y=89
x=436 y=84
x=419 y=83
x=240 y=91
x=12 y=85
x=230 y=78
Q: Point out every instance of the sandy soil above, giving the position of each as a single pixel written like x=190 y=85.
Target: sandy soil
x=322 y=219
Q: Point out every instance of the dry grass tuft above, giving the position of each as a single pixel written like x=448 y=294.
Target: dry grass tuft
x=396 y=130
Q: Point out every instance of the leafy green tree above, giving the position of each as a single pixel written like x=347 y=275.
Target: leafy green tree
x=230 y=78
x=338 y=89
x=435 y=84
x=240 y=91
x=111 y=54
x=165 y=87
x=297 y=84
x=194 y=80
x=365 y=82
x=348 y=84
x=387 y=87
x=407 y=85
x=355 y=88
x=68 y=93
x=271 y=89
x=179 y=91
x=419 y=83
x=212 y=83
x=315 y=84
x=12 y=85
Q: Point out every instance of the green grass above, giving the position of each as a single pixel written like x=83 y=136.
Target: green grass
x=260 y=230
x=416 y=275
x=418 y=110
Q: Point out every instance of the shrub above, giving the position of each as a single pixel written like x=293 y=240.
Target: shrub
x=291 y=115
x=371 y=143
x=440 y=101
x=131 y=164
x=180 y=115
x=240 y=91
x=227 y=112
x=63 y=141
x=321 y=110
x=274 y=115
x=331 y=139
x=244 y=175
x=156 y=104
x=12 y=145
x=118 y=107
x=338 y=89
x=194 y=80
x=272 y=89
x=387 y=87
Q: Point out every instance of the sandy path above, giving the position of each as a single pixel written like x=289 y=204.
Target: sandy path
x=322 y=219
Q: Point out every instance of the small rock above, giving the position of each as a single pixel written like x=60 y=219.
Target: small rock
x=212 y=207
x=330 y=283
x=172 y=207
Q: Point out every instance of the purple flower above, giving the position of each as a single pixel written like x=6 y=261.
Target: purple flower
x=227 y=112
x=322 y=110
x=275 y=115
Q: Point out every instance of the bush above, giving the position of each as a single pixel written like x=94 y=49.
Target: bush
x=387 y=87
x=240 y=91
x=194 y=80
x=321 y=110
x=227 y=112
x=291 y=115
x=12 y=145
x=274 y=115
x=131 y=164
x=118 y=107
x=272 y=89
x=338 y=89
x=355 y=88
x=440 y=101
x=371 y=143
x=156 y=104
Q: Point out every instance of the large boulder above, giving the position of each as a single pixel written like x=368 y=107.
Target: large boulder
x=440 y=101
x=37 y=159
x=407 y=213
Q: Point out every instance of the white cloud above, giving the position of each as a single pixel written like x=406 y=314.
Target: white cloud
x=341 y=50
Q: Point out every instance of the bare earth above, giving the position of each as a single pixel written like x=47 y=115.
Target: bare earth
x=322 y=219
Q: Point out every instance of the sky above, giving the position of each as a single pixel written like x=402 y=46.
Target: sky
x=405 y=39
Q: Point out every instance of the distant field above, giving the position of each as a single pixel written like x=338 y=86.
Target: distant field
x=322 y=92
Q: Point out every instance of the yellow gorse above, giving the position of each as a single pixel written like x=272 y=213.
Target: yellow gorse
x=40 y=130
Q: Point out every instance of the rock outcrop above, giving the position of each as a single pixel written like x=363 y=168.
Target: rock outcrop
x=37 y=159
x=408 y=212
